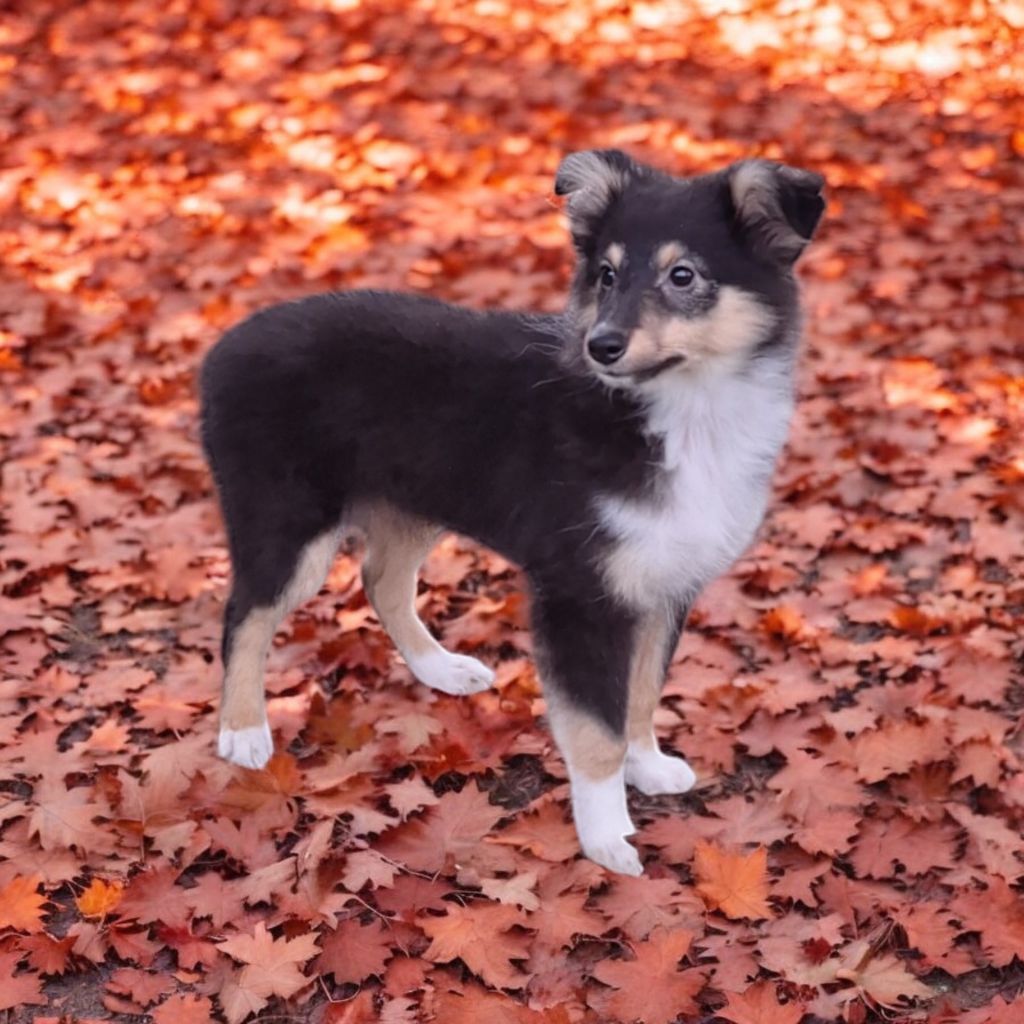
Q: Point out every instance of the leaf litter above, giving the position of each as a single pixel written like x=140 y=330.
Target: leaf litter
x=850 y=694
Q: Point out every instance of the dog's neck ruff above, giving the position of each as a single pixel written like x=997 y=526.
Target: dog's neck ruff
x=720 y=435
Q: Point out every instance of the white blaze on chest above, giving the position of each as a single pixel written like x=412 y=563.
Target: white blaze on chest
x=721 y=437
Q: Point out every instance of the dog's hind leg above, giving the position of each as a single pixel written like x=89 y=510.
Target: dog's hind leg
x=584 y=652
x=267 y=585
x=396 y=545
x=647 y=768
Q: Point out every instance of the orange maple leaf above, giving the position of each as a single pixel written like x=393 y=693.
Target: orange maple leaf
x=238 y=1001
x=637 y=906
x=652 y=987
x=784 y=623
x=734 y=883
x=272 y=967
x=100 y=898
x=515 y=891
x=18 y=990
x=471 y=1003
x=997 y=912
x=140 y=987
x=183 y=1009
x=478 y=936
x=352 y=952
x=21 y=906
x=450 y=830
x=270 y=786
x=897 y=746
x=760 y=1005
x=544 y=833
x=63 y=817
x=153 y=896
x=45 y=953
x=880 y=979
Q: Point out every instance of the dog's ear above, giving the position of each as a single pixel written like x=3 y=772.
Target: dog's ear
x=778 y=207
x=592 y=180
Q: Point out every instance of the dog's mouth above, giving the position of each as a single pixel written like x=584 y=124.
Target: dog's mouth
x=643 y=375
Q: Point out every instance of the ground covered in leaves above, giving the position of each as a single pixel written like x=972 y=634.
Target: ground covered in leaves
x=849 y=694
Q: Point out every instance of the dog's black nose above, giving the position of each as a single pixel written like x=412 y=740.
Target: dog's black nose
x=606 y=346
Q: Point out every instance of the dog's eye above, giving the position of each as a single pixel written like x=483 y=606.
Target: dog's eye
x=606 y=275
x=681 y=276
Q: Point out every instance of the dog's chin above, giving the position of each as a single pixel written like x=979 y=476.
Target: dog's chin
x=636 y=376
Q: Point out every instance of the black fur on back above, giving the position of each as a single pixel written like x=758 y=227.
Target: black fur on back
x=469 y=420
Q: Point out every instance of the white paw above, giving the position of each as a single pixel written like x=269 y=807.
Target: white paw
x=251 y=748
x=615 y=855
x=602 y=822
x=653 y=772
x=457 y=674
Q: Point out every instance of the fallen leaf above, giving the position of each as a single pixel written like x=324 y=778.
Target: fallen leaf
x=480 y=936
x=18 y=990
x=183 y=1009
x=21 y=905
x=884 y=981
x=760 y=1004
x=272 y=966
x=99 y=898
x=651 y=987
x=735 y=883
x=353 y=952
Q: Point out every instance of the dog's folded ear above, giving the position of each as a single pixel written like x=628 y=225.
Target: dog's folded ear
x=592 y=180
x=778 y=207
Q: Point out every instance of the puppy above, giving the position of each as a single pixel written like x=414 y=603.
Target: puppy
x=621 y=453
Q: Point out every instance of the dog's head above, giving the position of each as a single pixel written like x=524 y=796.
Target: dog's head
x=677 y=275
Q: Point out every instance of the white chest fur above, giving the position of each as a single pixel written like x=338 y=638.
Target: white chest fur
x=721 y=437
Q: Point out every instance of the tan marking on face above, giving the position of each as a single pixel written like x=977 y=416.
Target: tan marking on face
x=667 y=255
x=736 y=324
x=645 y=349
x=614 y=254
x=590 y=749
x=647 y=673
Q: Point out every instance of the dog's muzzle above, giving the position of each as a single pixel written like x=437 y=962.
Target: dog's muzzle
x=641 y=376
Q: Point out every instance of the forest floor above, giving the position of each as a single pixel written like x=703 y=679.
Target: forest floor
x=850 y=694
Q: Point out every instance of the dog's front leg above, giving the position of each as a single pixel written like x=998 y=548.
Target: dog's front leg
x=584 y=653
x=647 y=768
x=596 y=760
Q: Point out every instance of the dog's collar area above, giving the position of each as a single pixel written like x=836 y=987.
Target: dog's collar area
x=642 y=376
